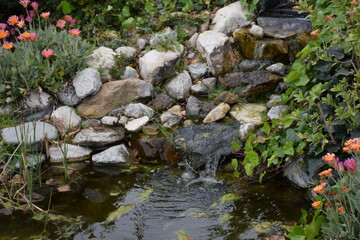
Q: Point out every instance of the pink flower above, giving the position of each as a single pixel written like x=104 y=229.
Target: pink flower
x=33 y=36
x=13 y=20
x=339 y=165
x=34 y=5
x=4 y=34
x=74 y=32
x=28 y=19
x=68 y=18
x=25 y=3
x=21 y=24
x=60 y=23
x=47 y=53
x=350 y=165
x=21 y=17
x=45 y=15
x=32 y=13
x=12 y=31
x=73 y=22
x=3 y=26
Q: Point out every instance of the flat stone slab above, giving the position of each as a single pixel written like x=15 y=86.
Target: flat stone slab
x=249 y=113
x=113 y=155
x=284 y=27
x=98 y=137
x=71 y=153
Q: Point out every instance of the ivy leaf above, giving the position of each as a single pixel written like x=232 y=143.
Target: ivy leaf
x=235 y=145
x=234 y=164
x=302 y=81
x=288 y=148
x=266 y=128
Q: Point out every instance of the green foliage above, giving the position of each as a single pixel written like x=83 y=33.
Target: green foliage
x=307 y=231
x=121 y=61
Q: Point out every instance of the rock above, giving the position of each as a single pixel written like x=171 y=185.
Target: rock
x=209 y=82
x=113 y=95
x=71 y=153
x=277 y=112
x=136 y=110
x=277 y=68
x=179 y=87
x=191 y=43
x=141 y=43
x=248 y=65
x=128 y=52
x=118 y=112
x=197 y=70
x=87 y=82
x=5 y=110
x=196 y=108
x=165 y=116
x=170 y=120
x=199 y=90
x=129 y=73
x=123 y=120
x=274 y=101
x=248 y=113
x=150 y=129
x=156 y=66
x=257 y=31
x=284 y=27
x=32 y=160
x=35 y=100
x=227 y=97
x=65 y=119
x=162 y=102
x=188 y=123
x=102 y=58
x=191 y=55
x=32 y=133
x=90 y=122
x=136 y=124
x=229 y=18
x=113 y=155
x=109 y=120
x=215 y=48
x=298 y=176
x=219 y=112
x=98 y=137
x=204 y=145
x=244 y=130
x=164 y=38
x=176 y=110
x=247 y=42
x=67 y=95
x=37 y=114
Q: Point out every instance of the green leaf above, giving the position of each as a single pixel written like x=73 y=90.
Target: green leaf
x=66 y=7
x=302 y=81
x=266 y=128
x=235 y=145
x=288 y=148
x=297 y=233
x=234 y=163
x=252 y=157
x=229 y=197
x=38 y=216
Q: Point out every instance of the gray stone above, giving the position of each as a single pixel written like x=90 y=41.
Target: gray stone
x=244 y=130
x=5 y=110
x=191 y=55
x=284 y=27
x=165 y=116
x=71 y=153
x=199 y=90
x=32 y=160
x=191 y=43
x=123 y=120
x=176 y=110
x=102 y=58
x=215 y=48
x=298 y=176
x=230 y=18
x=172 y=122
x=136 y=124
x=128 y=52
x=188 y=123
x=118 y=112
x=98 y=137
x=32 y=133
x=87 y=82
x=109 y=120
x=162 y=102
x=219 y=112
x=277 y=68
x=65 y=119
x=257 y=31
x=90 y=122
x=277 y=112
x=197 y=70
x=248 y=113
x=136 y=110
x=227 y=97
x=166 y=37
x=35 y=99
x=129 y=73
x=67 y=95
x=179 y=87
x=209 y=82
x=141 y=43
x=274 y=101
x=196 y=108
x=113 y=155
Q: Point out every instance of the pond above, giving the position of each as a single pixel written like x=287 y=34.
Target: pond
x=161 y=202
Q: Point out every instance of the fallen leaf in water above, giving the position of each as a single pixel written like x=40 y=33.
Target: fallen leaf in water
x=144 y=195
x=179 y=139
x=65 y=188
x=120 y=212
x=229 y=197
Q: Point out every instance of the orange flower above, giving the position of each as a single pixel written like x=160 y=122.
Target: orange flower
x=26 y=35
x=3 y=34
x=345 y=188
x=316 y=204
x=45 y=15
x=330 y=16
x=328 y=205
x=326 y=173
x=74 y=32
x=47 y=53
x=60 y=23
x=319 y=188
x=315 y=32
x=352 y=145
x=329 y=158
x=33 y=36
x=353 y=2
x=68 y=18
x=21 y=24
x=8 y=45
x=13 y=20
x=341 y=209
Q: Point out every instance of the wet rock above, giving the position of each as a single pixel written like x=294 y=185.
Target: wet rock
x=93 y=195
x=204 y=145
x=215 y=48
x=209 y=82
x=248 y=65
x=219 y=112
x=271 y=49
x=136 y=124
x=227 y=97
x=197 y=70
x=90 y=122
x=71 y=153
x=113 y=95
x=65 y=119
x=179 y=87
x=109 y=120
x=150 y=129
x=295 y=173
x=191 y=43
x=162 y=102
x=229 y=18
x=98 y=137
x=113 y=155
x=136 y=110
x=87 y=82
x=128 y=52
x=35 y=100
x=67 y=95
x=247 y=42
x=249 y=113
x=199 y=90
x=277 y=68
x=31 y=133
x=129 y=73
x=274 y=101
x=244 y=130
x=284 y=27
x=277 y=112
x=196 y=108
x=102 y=58
x=257 y=31
x=156 y=66
x=141 y=43
x=166 y=37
